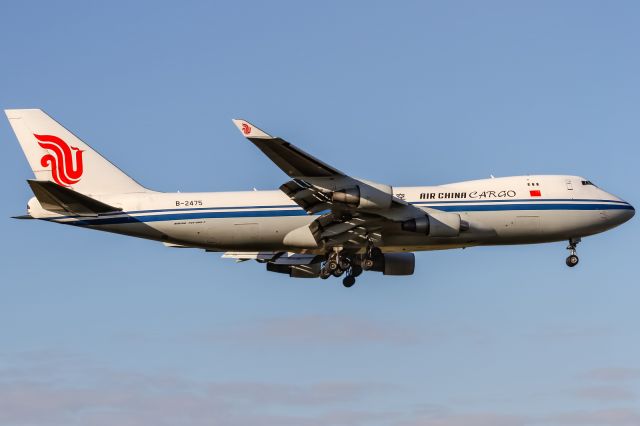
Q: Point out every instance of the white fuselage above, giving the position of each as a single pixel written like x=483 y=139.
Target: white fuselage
x=509 y=210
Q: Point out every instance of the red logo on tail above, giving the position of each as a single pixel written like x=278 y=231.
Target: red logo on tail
x=61 y=159
x=246 y=129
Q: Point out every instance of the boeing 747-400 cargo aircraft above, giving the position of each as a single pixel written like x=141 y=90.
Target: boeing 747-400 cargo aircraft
x=322 y=222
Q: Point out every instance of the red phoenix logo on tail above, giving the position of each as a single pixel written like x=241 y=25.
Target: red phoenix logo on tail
x=61 y=159
x=246 y=129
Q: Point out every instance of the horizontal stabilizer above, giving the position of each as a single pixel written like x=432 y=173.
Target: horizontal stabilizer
x=24 y=216
x=59 y=199
x=278 y=258
x=173 y=245
x=241 y=256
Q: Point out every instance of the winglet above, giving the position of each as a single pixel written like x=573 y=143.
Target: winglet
x=249 y=130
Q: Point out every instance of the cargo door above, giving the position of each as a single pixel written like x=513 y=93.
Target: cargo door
x=523 y=226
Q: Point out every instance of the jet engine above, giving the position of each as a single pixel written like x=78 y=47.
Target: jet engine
x=436 y=224
x=365 y=196
x=395 y=263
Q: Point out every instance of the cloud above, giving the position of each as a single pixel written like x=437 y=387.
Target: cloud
x=613 y=374
x=606 y=393
x=608 y=417
x=605 y=417
x=564 y=333
x=99 y=397
x=470 y=419
x=323 y=329
x=104 y=403
x=608 y=384
x=47 y=390
x=319 y=330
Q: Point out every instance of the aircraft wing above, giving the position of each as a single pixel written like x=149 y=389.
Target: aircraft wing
x=352 y=211
x=291 y=159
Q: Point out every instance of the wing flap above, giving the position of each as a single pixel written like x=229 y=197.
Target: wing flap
x=310 y=198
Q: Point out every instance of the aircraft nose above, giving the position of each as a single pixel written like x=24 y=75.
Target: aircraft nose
x=629 y=212
x=622 y=212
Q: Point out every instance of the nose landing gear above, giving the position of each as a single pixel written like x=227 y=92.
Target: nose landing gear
x=573 y=259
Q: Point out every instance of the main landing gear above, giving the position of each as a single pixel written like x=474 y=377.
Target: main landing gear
x=572 y=260
x=352 y=273
x=338 y=264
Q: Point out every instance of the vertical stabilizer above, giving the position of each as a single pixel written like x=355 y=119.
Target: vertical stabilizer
x=55 y=154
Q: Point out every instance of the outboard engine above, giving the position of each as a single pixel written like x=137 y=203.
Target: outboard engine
x=369 y=195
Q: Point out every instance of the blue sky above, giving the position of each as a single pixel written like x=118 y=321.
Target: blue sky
x=98 y=329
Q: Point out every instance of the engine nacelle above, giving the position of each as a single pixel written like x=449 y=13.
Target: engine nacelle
x=437 y=224
x=395 y=263
x=366 y=196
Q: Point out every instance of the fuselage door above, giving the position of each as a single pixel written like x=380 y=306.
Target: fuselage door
x=523 y=226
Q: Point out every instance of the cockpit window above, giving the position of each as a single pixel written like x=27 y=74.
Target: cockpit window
x=587 y=182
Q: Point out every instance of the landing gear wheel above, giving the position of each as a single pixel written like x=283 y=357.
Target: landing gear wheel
x=356 y=271
x=332 y=265
x=324 y=273
x=572 y=260
x=349 y=281
x=337 y=272
x=367 y=264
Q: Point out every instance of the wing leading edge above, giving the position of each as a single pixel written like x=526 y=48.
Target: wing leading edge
x=291 y=159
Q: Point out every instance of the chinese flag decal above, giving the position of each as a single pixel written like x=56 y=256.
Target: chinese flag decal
x=535 y=193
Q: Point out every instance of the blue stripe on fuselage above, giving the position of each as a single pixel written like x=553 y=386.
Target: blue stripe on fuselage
x=172 y=215
x=192 y=216
x=433 y=204
x=537 y=206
